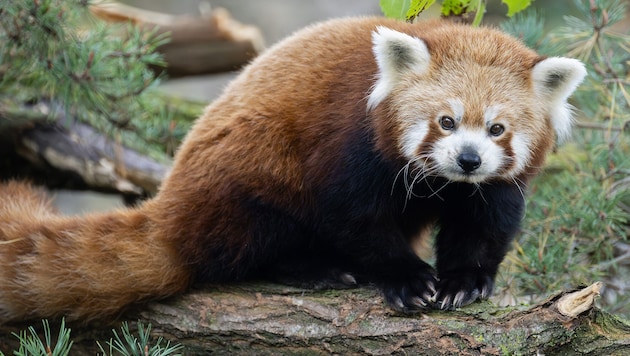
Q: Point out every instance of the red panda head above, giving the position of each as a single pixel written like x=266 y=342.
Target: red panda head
x=470 y=105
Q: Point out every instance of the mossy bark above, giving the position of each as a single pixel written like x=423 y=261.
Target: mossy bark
x=270 y=319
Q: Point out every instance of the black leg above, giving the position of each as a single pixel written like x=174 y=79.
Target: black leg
x=384 y=258
x=475 y=234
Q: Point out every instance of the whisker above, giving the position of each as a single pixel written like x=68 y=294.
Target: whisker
x=436 y=192
x=404 y=168
x=520 y=189
x=418 y=177
x=415 y=171
x=435 y=172
x=404 y=172
x=479 y=188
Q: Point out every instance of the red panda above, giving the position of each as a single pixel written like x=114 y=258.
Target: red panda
x=319 y=164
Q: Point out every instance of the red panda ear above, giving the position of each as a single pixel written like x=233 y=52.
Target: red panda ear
x=397 y=54
x=555 y=79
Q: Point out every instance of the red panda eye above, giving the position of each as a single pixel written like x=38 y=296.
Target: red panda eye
x=447 y=123
x=496 y=130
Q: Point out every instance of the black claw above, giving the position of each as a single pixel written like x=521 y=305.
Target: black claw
x=418 y=302
x=348 y=279
x=394 y=301
x=410 y=295
x=455 y=291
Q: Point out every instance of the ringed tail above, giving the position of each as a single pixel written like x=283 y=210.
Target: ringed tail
x=82 y=267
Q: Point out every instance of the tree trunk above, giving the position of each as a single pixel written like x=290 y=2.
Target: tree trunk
x=260 y=318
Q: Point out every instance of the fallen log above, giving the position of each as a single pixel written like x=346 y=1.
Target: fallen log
x=260 y=318
x=101 y=163
x=209 y=43
x=60 y=152
x=41 y=143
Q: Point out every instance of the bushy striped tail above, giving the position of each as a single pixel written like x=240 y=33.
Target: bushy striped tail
x=82 y=267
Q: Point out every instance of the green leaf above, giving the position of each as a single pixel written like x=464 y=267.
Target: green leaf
x=417 y=6
x=404 y=9
x=455 y=7
x=396 y=9
x=515 y=6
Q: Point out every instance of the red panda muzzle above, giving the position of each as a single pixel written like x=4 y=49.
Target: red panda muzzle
x=469 y=161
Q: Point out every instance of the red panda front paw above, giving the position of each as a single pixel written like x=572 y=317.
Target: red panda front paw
x=455 y=291
x=412 y=294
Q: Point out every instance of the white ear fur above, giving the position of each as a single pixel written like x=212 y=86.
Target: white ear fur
x=396 y=54
x=555 y=79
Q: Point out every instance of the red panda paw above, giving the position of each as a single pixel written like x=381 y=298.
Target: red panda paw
x=333 y=279
x=308 y=277
x=455 y=291
x=412 y=294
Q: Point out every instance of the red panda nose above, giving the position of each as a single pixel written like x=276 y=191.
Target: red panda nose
x=469 y=161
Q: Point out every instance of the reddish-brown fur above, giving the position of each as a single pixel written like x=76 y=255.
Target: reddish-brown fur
x=261 y=134
x=84 y=268
x=269 y=120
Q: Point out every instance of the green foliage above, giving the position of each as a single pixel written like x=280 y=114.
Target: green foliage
x=126 y=344
x=130 y=345
x=515 y=6
x=410 y=9
x=455 y=7
x=575 y=215
x=529 y=26
x=592 y=39
x=416 y=7
x=571 y=224
x=54 y=52
x=31 y=344
x=396 y=9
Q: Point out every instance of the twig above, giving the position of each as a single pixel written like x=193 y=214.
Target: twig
x=603 y=127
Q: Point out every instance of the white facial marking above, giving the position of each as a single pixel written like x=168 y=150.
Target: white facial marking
x=412 y=138
x=447 y=150
x=520 y=147
x=491 y=114
x=520 y=141
x=457 y=107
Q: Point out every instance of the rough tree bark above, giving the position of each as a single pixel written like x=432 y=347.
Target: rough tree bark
x=259 y=318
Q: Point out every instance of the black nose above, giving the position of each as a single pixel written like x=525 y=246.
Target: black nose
x=469 y=161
